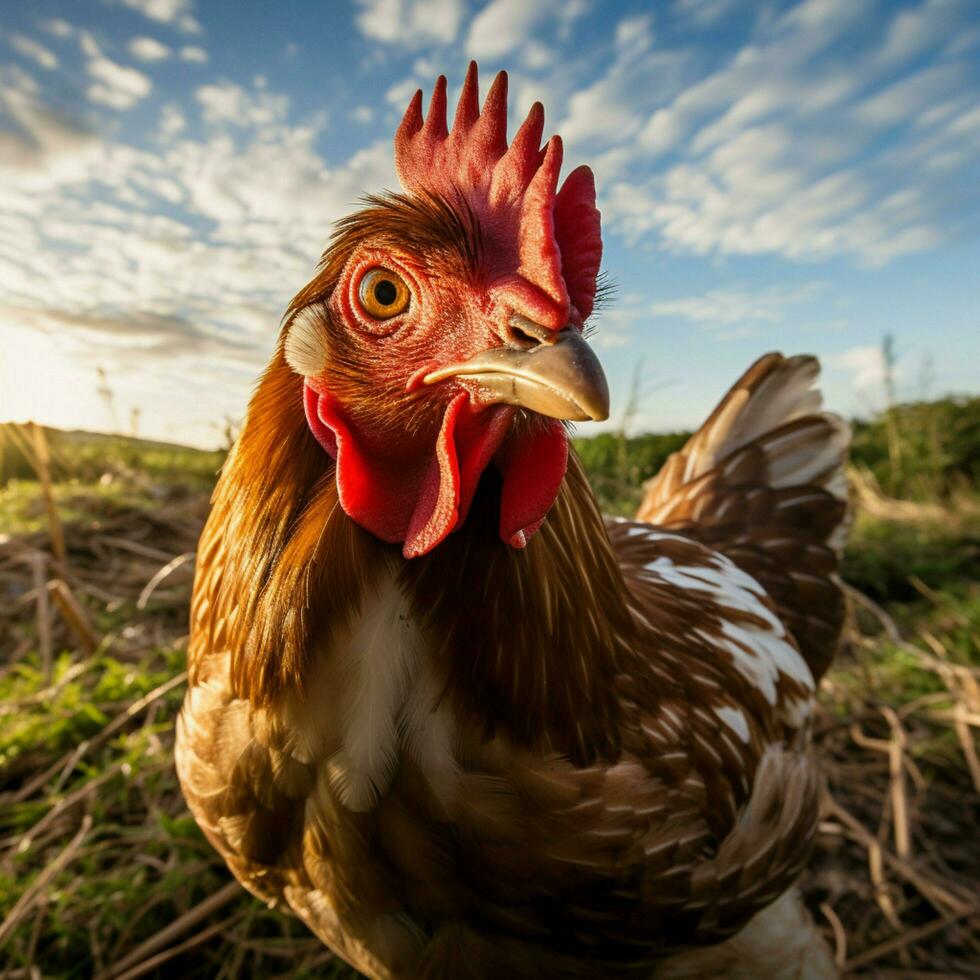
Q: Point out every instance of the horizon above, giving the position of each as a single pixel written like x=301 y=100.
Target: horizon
x=574 y=433
x=802 y=176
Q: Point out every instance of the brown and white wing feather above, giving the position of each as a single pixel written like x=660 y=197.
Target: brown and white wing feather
x=762 y=481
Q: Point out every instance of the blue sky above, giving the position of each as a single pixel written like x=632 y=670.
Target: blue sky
x=802 y=176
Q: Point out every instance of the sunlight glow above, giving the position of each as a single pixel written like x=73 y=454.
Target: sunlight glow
x=40 y=382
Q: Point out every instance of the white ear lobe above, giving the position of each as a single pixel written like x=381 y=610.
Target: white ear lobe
x=306 y=342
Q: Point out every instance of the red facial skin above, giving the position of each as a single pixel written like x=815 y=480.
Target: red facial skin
x=410 y=456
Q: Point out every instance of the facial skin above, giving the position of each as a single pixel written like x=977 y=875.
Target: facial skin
x=459 y=330
x=374 y=366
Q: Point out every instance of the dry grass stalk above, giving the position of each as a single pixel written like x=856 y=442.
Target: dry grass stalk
x=962 y=720
x=870 y=498
x=187 y=921
x=40 y=912
x=148 y=965
x=906 y=939
x=28 y=899
x=38 y=562
x=156 y=554
x=935 y=892
x=896 y=770
x=840 y=934
x=74 y=615
x=40 y=459
x=916 y=846
x=62 y=806
x=170 y=567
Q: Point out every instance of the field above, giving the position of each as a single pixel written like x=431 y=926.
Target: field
x=104 y=873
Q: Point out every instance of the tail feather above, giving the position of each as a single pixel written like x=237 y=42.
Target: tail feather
x=762 y=481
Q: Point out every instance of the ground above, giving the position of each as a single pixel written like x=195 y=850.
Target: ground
x=104 y=873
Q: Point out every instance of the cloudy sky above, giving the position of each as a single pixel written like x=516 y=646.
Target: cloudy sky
x=802 y=176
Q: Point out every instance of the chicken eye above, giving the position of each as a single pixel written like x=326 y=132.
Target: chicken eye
x=383 y=294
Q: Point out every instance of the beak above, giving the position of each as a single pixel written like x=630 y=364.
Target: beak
x=554 y=374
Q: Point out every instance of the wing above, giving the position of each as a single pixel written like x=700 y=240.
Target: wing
x=762 y=481
x=706 y=817
x=246 y=790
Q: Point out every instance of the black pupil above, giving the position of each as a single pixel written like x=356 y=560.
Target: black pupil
x=385 y=292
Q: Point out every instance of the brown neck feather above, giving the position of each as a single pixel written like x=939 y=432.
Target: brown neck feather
x=533 y=638
x=292 y=565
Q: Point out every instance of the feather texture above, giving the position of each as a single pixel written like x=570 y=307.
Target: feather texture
x=762 y=481
x=495 y=734
x=583 y=758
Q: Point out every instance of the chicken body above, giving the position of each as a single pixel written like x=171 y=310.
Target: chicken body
x=577 y=759
x=485 y=731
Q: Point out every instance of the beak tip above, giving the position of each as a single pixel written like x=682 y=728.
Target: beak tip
x=562 y=379
x=596 y=408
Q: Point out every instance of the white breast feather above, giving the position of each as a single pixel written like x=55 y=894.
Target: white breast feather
x=379 y=658
x=390 y=704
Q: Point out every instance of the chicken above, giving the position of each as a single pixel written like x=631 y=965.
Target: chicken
x=439 y=707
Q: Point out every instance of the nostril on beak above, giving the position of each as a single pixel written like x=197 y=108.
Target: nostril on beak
x=520 y=333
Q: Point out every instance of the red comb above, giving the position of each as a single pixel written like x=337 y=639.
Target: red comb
x=551 y=240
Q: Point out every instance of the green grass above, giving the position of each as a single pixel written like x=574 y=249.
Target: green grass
x=88 y=457
x=898 y=560
x=22 y=509
x=922 y=567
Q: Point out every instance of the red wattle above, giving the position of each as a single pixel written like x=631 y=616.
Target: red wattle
x=466 y=442
x=412 y=495
x=533 y=466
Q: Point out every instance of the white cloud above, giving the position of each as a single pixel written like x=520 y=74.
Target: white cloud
x=53 y=149
x=58 y=27
x=914 y=30
x=963 y=41
x=786 y=147
x=115 y=85
x=410 y=22
x=865 y=365
x=176 y=13
x=504 y=26
x=195 y=54
x=610 y=110
x=172 y=121
x=362 y=114
x=148 y=49
x=911 y=95
x=704 y=13
x=32 y=49
x=401 y=92
x=225 y=102
x=535 y=55
x=719 y=308
x=118 y=87
x=250 y=208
